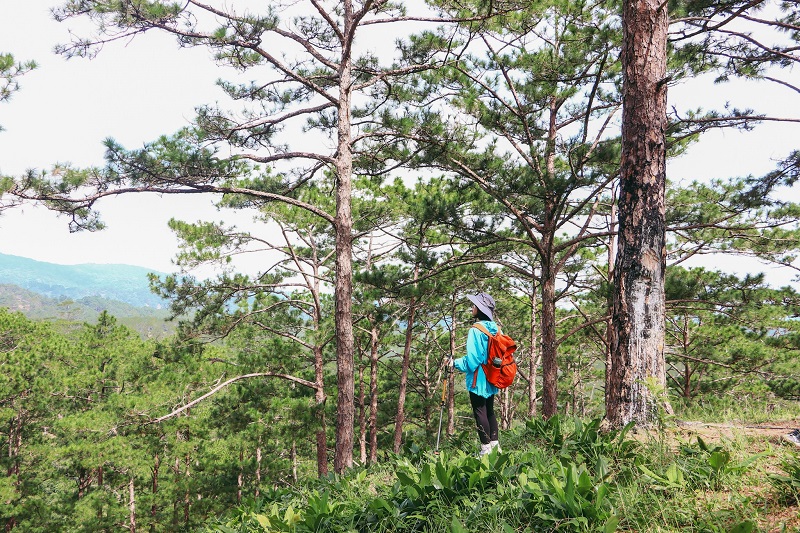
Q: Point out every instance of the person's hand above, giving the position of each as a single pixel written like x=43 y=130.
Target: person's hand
x=449 y=363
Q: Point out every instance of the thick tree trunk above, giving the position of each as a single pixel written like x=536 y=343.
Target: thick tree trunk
x=345 y=341
x=345 y=403
x=612 y=255
x=637 y=366
x=549 y=346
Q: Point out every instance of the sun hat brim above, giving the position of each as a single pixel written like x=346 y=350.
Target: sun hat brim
x=482 y=305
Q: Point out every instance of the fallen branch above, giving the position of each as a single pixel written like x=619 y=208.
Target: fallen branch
x=232 y=380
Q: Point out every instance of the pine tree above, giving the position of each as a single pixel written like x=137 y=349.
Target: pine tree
x=319 y=90
x=522 y=120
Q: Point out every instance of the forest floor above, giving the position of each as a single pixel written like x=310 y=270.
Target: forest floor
x=767 y=438
x=768 y=431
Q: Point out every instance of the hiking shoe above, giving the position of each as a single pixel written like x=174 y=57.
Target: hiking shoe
x=496 y=445
x=793 y=437
x=485 y=449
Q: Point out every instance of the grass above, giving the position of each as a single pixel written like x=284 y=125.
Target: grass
x=736 y=407
x=555 y=475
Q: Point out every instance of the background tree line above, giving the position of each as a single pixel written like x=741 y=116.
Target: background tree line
x=484 y=155
x=97 y=433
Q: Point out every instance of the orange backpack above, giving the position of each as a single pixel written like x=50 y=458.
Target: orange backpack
x=500 y=367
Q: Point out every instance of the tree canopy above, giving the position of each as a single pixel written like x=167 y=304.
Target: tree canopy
x=494 y=147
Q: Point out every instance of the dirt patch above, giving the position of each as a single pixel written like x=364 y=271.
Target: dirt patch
x=758 y=435
x=777 y=516
x=782 y=520
x=773 y=432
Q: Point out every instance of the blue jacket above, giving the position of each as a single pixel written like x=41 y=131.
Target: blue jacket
x=477 y=348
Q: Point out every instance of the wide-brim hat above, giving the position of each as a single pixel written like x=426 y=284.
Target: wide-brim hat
x=484 y=303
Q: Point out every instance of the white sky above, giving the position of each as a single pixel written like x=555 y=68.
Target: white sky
x=132 y=92
x=138 y=90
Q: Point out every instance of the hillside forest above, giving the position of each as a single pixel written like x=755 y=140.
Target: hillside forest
x=513 y=148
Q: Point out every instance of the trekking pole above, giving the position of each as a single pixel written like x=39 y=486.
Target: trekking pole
x=441 y=407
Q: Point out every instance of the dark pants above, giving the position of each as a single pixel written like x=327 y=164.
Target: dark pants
x=483 y=409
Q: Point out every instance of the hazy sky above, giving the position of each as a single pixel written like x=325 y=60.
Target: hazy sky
x=137 y=90
x=133 y=92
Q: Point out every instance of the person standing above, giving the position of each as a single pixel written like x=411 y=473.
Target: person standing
x=481 y=392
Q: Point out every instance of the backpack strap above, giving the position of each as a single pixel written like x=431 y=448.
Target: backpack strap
x=480 y=327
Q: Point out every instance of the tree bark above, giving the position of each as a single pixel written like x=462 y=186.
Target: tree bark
x=132 y=505
x=429 y=390
x=320 y=398
x=362 y=413
x=687 y=376
x=451 y=398
x=535 y=358
x=638 y=373
x=177 y=480
x=258 y=468
x=293 y=457
x=343 y=223
x=612 y=255
x=319 y=406
x=85 y=478
x=549 y=343
x=187 y=503
x=549 y=346
x=240 y=477
x=373 y=396
x=154 y=507
x=401 y=395
x=687 y=369
x=100 y=487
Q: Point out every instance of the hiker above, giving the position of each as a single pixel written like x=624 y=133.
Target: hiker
x=481 y=392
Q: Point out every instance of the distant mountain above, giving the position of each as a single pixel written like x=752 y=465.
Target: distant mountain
x=124 y=283
x=148 y=321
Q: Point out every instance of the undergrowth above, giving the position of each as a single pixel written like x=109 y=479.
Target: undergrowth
x=736 y=407
x=556 y=475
